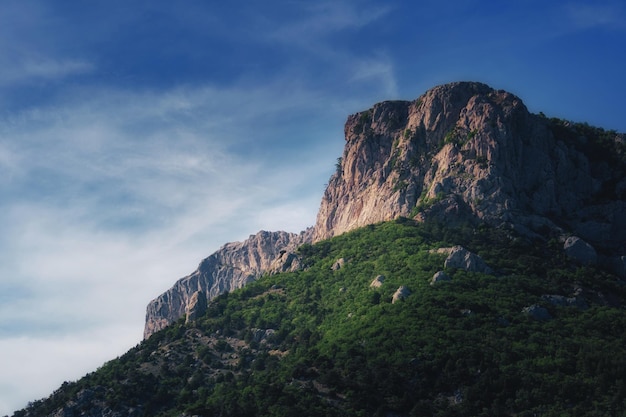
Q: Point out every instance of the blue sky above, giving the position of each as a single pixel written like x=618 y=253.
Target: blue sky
x=136 y=137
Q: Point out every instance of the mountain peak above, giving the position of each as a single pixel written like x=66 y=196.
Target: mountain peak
x=466 y=152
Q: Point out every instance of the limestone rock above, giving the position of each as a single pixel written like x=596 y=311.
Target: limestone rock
x=339 y=263
x=197 y=306
x=461 y=258
x=262 y=335
x=286 y=262
x=401 y=293
x=580 y=251
x=377 y=282
x=464 y=152
x=231 y=267
x=440 y=277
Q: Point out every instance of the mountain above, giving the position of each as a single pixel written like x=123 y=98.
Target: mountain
x=468 y=258
x=462 y=152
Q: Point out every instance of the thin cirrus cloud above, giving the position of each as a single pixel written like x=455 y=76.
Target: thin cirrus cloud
x=608 y=15
x=46 y=69
x=109 y=200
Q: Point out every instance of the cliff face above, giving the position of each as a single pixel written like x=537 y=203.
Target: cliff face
x=462 y=152
x=466 y=152
x=231 y=267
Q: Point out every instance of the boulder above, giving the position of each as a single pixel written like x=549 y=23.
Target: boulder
x=440 y=277
x=580 y=251
x=339 y=263
x=378 y=282
x=461 y=258
x=400 y=294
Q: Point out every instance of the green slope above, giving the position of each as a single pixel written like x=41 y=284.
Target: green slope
x=339 y=347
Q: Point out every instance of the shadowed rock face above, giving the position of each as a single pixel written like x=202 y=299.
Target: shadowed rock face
x=465 y=152
x=461 y=153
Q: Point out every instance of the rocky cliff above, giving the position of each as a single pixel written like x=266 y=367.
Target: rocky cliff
x=231 y=267
x=460 y=153
x=466 y=152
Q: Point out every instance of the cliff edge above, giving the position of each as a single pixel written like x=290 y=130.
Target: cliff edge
x=461 y=153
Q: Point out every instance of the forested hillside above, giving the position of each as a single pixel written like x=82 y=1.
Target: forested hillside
x=536 y=335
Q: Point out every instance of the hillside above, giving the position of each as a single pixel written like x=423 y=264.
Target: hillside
x=515 y=328
x=460 y=153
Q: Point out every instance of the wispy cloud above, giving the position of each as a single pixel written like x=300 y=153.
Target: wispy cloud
x=325 y=18
x=609 y=15
x=111 y=195
x=378 y=71
x=49 y=69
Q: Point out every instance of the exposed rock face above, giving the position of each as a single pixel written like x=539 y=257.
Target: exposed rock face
x=440 y=276
x=339 y=263
x=377 y=282
x=465 y=152
x=231 y=267
x=461 y=258
x=401 y=293
x=197 y=306
x=580 y=251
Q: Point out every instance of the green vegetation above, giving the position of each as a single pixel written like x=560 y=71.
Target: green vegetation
x=338 y=167
x=400 y=185
x=424 y=203
x=364 y=120
x=340 y=348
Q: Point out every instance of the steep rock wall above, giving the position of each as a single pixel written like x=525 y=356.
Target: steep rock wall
x=466 y=152
x=231 y=267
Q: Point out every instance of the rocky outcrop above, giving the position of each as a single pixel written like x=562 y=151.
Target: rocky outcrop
x=440 y=276
x=377 y=282
x=339 y=263
x=464 y=152
x=401 y=293
x=461 y=258
x=231 y=267
x=196 y=307
x=580 y=251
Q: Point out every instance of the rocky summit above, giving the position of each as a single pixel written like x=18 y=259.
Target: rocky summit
x=461 y=153
x=466 y=152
